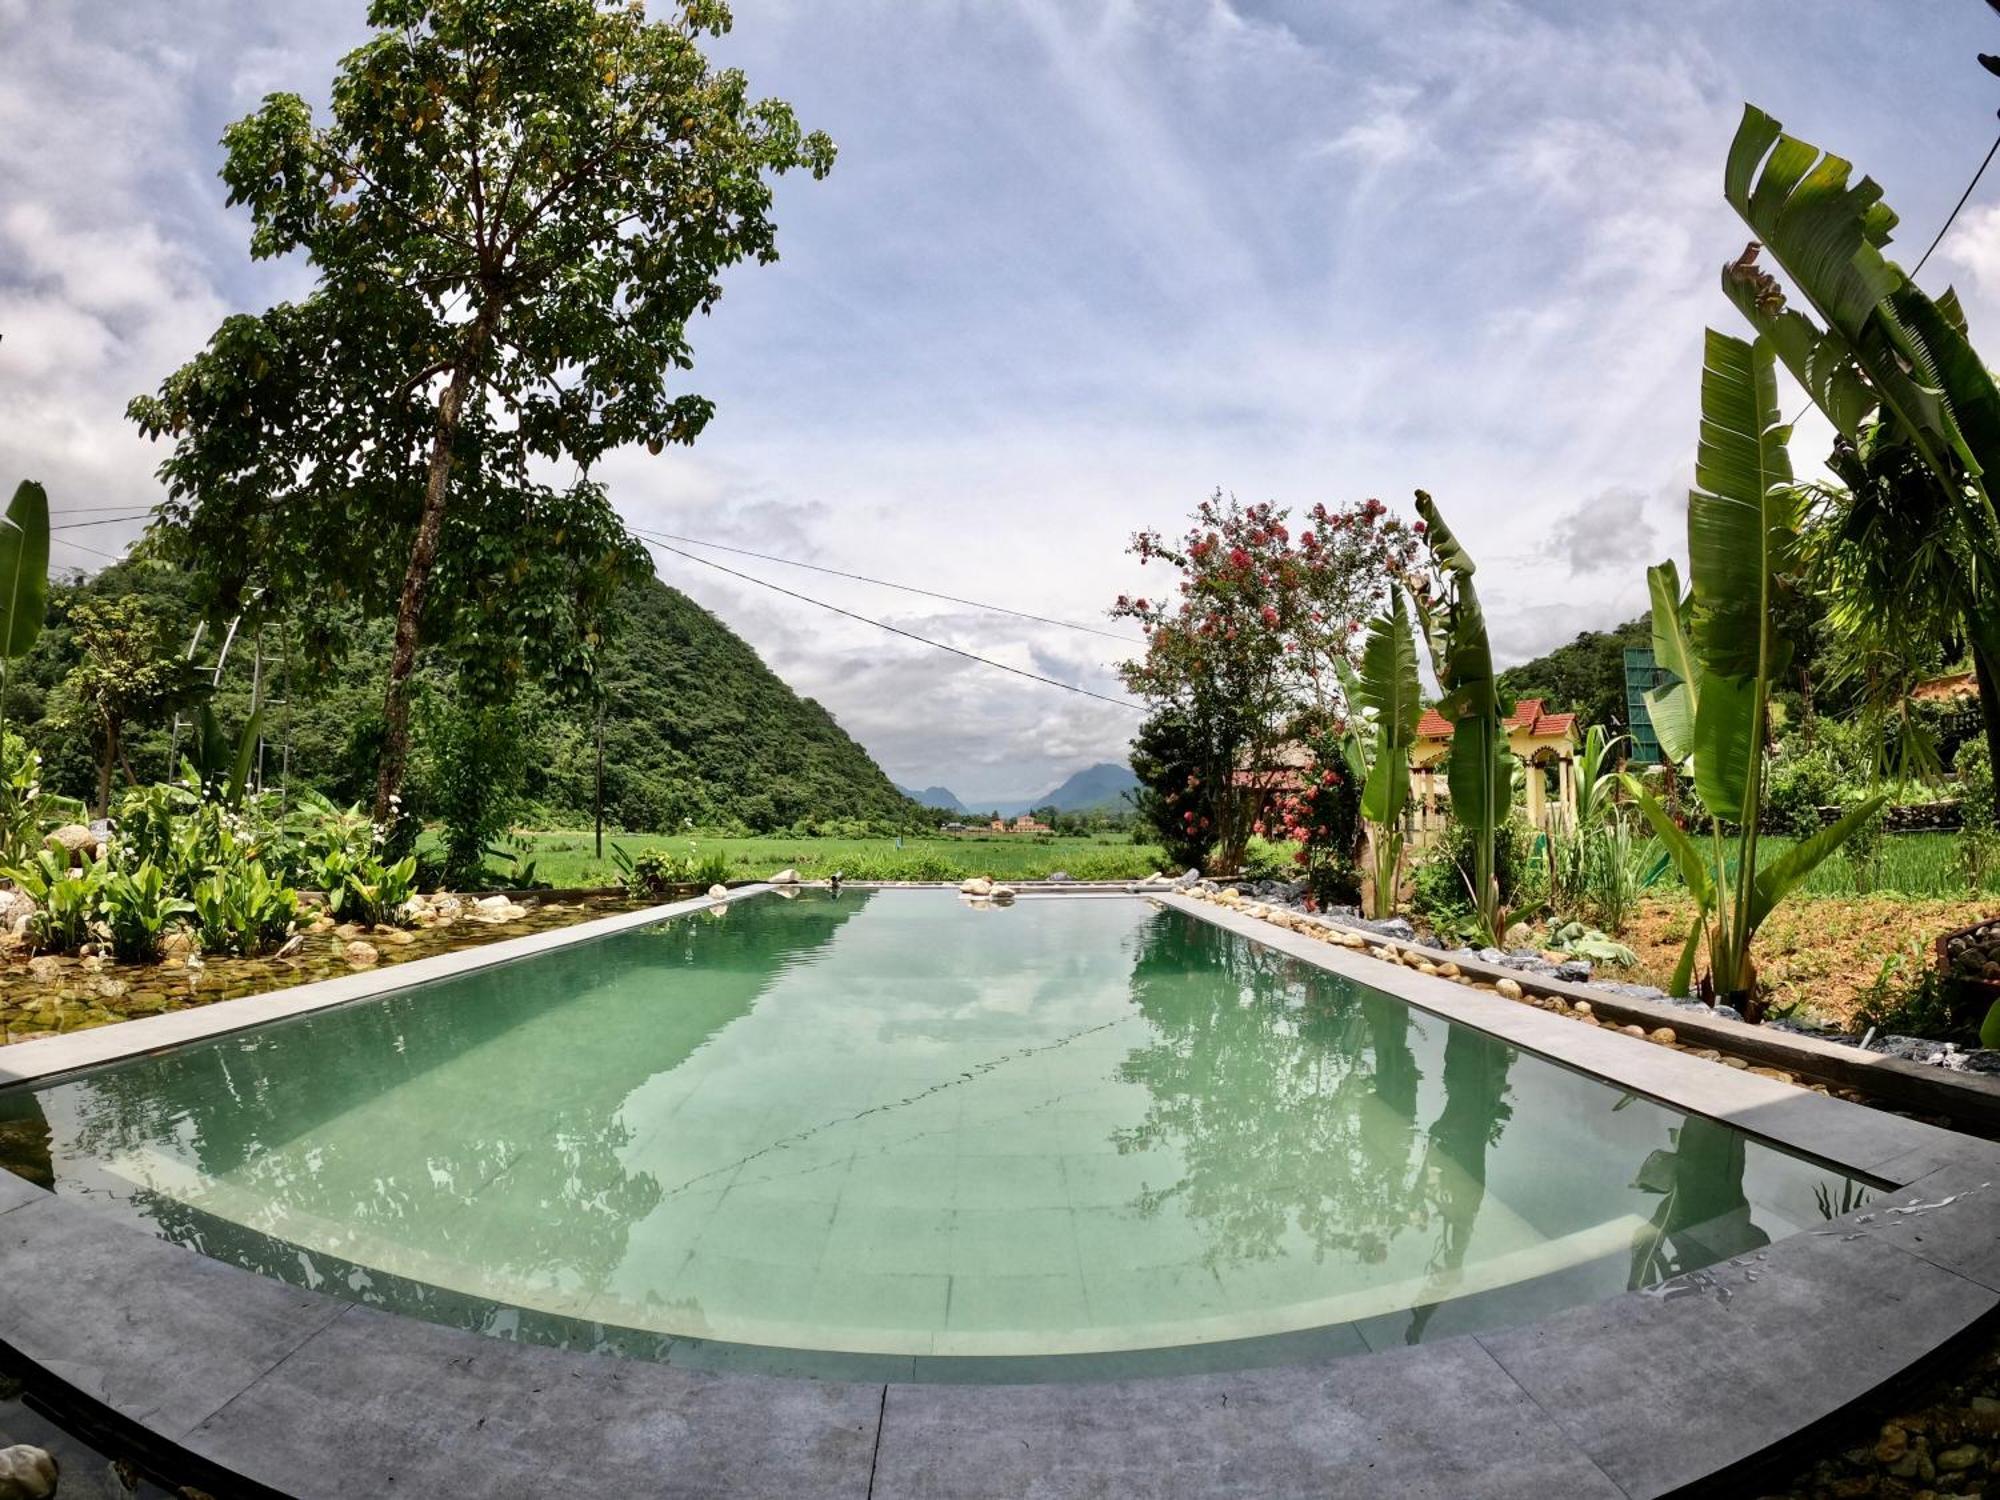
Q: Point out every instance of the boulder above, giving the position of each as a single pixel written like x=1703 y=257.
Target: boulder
x=81 y=843
x=15 y=909
x=27 y=1473
x=978 y=885
x=786 y=876
x=360 y=954
x=1511 y=988
x=45 y=969
x=1001 y=894
x=715 y=893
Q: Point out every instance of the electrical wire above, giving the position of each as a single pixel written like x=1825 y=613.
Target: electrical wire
x=985 y=661
x=908 y=588
x=1952 y=217
x=105 y=521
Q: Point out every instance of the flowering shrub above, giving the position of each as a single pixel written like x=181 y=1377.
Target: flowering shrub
x=1321 y=814
x=1243 y=644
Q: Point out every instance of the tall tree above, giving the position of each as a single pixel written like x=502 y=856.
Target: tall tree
x=130 y=670
x=513 y=214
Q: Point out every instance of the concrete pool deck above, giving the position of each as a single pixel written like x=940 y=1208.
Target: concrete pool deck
x=247 y=1385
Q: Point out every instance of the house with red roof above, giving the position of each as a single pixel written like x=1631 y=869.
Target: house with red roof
x=1544 y=743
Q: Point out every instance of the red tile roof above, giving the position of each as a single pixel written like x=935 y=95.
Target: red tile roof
x=1528 y=717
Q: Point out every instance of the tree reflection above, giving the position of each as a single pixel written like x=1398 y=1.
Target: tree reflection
x=1289 y=1096
x=1703 y=1214
x=391 y=1121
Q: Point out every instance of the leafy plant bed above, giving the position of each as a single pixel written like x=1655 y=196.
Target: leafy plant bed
x=48 y=995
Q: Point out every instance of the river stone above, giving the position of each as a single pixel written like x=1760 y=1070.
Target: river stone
x=978 y=885
x=1511 y=988
x=26 y=1473
x=45 y=969
x=15 y=909
x=715 y=893
x=786 y=876
x=81 y=844
x=360 y=954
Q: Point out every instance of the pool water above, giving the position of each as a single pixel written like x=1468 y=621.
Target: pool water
x=889 y=1133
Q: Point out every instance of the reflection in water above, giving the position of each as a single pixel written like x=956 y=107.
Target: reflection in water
x=382 y=1077
x=1291 y=1100
x=1704 y=1215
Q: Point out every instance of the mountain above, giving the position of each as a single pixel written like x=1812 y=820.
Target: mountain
x=696 y=727
x=1098 y=788
x=933 y=796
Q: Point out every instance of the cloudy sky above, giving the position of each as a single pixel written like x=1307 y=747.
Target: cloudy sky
x=1081 y=262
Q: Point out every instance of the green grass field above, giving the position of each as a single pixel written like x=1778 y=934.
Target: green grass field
x=1912 y=864
x=569 y=859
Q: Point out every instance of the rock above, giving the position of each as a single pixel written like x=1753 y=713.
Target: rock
x=15 y=909
x=1511 y=988
x=1583 y=1007
x=360 y=954
x=1156 y=878
x=1892 y=1445
x=1574 y=970
x=786 y=876
x=292 y=945
x=1001 y=895
x=45 y=969
x=1638 y=1031
x=348 y=930
x=319 y=925
x=1518 y=936
x=81 y=843
x=978 y=885
x=1449 y=970
x=400 y=936
x=178 y=943
x=1735 y=1062
x=1192 y=877
x=26 y=1473
x=443 y=904
x=1059 y=877
x=1394 y=927
x=1956 y=1460
x=715 y=893
x=1664 y=1036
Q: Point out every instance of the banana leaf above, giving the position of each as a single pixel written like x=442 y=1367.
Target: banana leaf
x=24 y=569
x=1672 y=706
x=1389 y=687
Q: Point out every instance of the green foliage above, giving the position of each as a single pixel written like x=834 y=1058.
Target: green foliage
x=1388 y=692
x=364 y=888
x=1909 y=549
x=65 y=899
x=1480 y=770
x=1724 y=644
x=471 y=771
x=1587 y=942
x=1182 y=775
x=1442 y=882
x=241 y=909
x=127 y=667
x=1799 y=783
x=653 y=874
x=1321 y=820
x=137 y=906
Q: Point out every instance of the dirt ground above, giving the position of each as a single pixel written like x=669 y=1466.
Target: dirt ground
x=1819 y=954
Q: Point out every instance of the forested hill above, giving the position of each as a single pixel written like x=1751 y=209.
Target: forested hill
x=697 y=728
x=694 y=716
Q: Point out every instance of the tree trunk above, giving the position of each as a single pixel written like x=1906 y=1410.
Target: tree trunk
x=1986 y=671
x=423 y=555
x=104 y=764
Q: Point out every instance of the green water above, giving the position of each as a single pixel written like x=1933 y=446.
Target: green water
x=890 y=1133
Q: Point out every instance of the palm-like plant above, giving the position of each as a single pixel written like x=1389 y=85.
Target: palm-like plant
x=1910 y=554
x=1388 y=689
x=1480 y=771
x=1723 y=644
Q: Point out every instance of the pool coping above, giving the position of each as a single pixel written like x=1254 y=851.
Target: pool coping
x=266 y=1388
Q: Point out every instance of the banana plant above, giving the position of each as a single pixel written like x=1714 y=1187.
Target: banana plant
x=1480 y=770
x=1721 y=641
x=1596 y=779
x=1388 y=689
x=24 y=581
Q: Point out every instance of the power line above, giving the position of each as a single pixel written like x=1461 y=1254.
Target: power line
x=63 y=541
x=985 y=661
x=1952 y=218
x=105 y=521
x=908 y=588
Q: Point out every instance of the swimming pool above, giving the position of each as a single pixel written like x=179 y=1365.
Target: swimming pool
x=890 y=1134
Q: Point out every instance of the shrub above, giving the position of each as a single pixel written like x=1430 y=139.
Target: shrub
x=137 y=906
x=65 y=900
